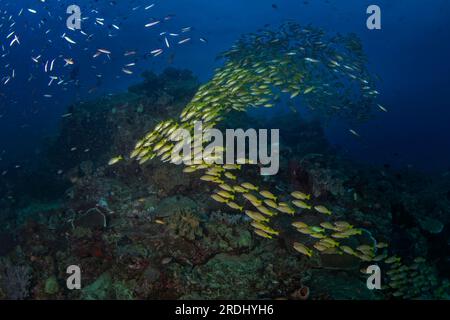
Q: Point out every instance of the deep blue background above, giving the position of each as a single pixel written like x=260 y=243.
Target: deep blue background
x=410 y=54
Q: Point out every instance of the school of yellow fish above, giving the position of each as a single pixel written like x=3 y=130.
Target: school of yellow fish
x=258 y=69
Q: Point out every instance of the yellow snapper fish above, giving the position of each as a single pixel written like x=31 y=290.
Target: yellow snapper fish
x=381 y=245
x=299 y=224
x=271 y=203
x=268 y=195
x=239 y=189
x=209 y=178
x=308 y=90
x=342 y=225
x=346 y=234
x=266 y=211
x=317 y=235
x=226 y=187
x=322 y=210
x=115 y=160
x=263 y=227
x=256 y=216
x=392 y=260
x=301 y=204
x=231 y=166
x=263 y=234
x=225 y=194
x=327 y=225
x=234 y=205
x=348 y=250
x=286 y=209
x=330 y=242
x=365 y=248
x=253 y=199
x=230 y=176
x=306 y=230
x=300 y=247
x=218 y=198
x=190 y=169
x=300 y=195
x=320 y=247
x=249 y=186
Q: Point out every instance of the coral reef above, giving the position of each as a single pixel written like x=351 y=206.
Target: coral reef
x=16 y=281
x=153 y=232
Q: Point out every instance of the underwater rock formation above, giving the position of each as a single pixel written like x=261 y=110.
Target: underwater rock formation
x=153 y=232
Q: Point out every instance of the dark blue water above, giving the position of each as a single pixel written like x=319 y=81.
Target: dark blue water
x=410 y=55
